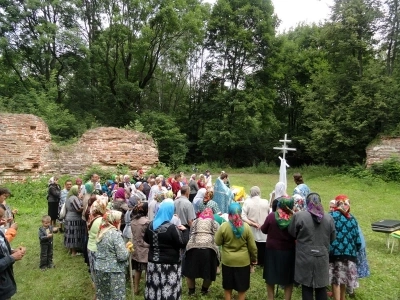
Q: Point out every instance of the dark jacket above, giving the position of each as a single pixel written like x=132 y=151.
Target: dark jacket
x=54 y=193
x=8 y=286
x=43 y=235
x=165 y=243
x=312 y=248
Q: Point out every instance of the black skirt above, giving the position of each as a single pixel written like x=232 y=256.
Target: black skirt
x=279 y=266
x=200 y=263
x=52 y=210
x=260 y=253
x=236 y=278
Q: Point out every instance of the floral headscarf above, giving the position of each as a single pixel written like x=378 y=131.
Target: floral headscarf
x=235 y=220
x=207 y=214
x=343 y=205
x=109 y=222
x=314 y=207
x=284 y=212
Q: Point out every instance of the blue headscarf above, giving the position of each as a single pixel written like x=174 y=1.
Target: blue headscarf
x=235 y=219
x=164 y=213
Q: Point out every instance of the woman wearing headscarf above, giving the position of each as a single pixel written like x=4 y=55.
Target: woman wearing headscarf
x=238 y=252
x=75 y=226
x=202 y=255
x=111 y=259
x=163 y=277
x=120 y=204
x=254 y=212
x=53 y=199
x=198 y=199
x=343 y=250
x=209 y=203
x=279 y=249
x=279 y=191
x=96 y=211
x=314 y=231
x=139 y=224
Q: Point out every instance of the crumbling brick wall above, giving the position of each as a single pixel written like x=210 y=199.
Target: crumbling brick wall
x=26 y=149
x=385 y=148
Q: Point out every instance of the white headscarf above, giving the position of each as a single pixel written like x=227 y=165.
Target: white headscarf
x=280 y=190
x=199 y=198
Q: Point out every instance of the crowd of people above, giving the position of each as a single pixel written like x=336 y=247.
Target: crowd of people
x=170 y=228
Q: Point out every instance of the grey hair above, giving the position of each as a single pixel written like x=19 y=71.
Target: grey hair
x=255 y=191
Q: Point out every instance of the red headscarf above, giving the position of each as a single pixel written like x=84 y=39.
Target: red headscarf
x=343 y=205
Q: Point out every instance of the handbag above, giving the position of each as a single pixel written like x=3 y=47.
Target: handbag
x=63 y=211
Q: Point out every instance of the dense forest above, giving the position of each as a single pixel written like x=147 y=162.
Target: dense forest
x=207 y=82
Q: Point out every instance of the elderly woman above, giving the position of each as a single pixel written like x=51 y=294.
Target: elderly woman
x=198 y=199
x=280 y=249
x=238 y=251
x=120 y=204
x=343 y=250
x=75 y=226
x=97 y=210
x=163 y=277
x=53 y=199
x=254 y=212
x=139 y=224
x=202 y=255
x=111 y=259
x=279 y=191
x=314 y=231
x=209 y=203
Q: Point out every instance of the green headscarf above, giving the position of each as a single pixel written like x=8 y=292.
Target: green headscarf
x=89 y=187
x=284 y=212
x=74 y=191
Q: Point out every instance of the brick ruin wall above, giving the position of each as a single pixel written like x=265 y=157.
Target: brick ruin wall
x=384 y=149
x=27 y=150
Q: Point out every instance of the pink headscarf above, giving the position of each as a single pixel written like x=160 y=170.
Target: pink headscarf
x=120 y=193
x=207 y=214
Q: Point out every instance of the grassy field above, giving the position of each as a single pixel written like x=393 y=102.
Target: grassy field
x=371 y=201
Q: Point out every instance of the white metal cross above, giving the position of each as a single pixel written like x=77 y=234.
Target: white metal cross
x=285 y=148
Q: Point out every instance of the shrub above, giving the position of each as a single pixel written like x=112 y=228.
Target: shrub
x=160 y=169
x=388 y=170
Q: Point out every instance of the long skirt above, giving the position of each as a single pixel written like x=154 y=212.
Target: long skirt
x=279 y=266
x=110 y=285
x=200 y=263
x=52 y=210
x=163 y=282
x=92 y=260
x=343 y=272
x=74 y=235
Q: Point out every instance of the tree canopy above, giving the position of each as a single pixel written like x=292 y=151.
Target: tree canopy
x=208 y=82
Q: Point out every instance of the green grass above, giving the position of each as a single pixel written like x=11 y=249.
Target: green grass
x=371 y=201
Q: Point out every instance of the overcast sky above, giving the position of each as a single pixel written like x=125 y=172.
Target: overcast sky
x=292 y=12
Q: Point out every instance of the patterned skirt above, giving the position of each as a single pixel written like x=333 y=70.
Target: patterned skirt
x=362 y=264
x=74 y=235
x=110 y=286
x=163 y=282
x=343 y=272
x=92 y=260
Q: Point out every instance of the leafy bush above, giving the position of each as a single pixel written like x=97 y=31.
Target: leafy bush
x=388 y=170
x=104 y=173
x=160 y=169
